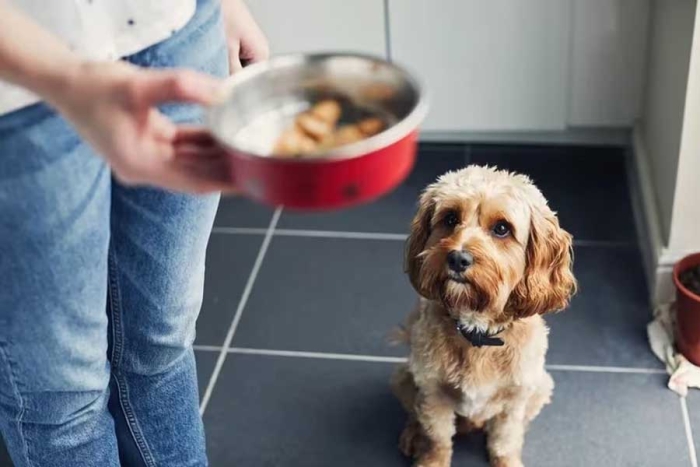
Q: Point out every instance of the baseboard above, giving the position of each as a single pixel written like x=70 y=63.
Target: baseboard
x=572 y=136
x=646 y=216
x=658 y=259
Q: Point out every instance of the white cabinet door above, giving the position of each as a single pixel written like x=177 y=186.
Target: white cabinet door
x=490 y=65
x=322 y=25
x=608 y=61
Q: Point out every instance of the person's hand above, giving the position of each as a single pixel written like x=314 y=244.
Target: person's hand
x=246 y=41
x=113 y=107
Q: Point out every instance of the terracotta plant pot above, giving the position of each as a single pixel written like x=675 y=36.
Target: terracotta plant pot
x=688 y=312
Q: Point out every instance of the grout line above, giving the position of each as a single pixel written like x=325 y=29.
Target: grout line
x=334 y=234
x=688 y=433
x=387 y=359
x=569 y=58
x=238 y=231
x=606 y=369
x=239 y=311
x=317 y=355
x=380 y=236
x=387 y=32
x=604 y=244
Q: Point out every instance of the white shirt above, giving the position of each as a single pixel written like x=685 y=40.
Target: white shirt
x=100 y=30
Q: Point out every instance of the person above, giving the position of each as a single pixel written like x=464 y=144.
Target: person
x=108 y=191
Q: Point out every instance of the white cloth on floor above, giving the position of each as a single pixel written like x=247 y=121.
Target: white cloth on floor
x=661 y=333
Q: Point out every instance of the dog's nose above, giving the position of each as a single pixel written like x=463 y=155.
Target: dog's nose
x=459 y=261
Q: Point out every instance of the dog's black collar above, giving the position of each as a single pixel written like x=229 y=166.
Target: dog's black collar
x=480 y=338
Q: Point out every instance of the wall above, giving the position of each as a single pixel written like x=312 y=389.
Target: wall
x=322 y=25
x=667 y=145
x=685 y=224
x=608 y=43
x=545 y=71
x=667 y=72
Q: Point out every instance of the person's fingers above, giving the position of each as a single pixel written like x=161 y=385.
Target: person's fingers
x=253 y=45
x=196 y=135
x=254 y=48
x=195 y=155
x=206 y=162
x=206 y=175
x=160 y=86
x=234 y=59
x=162 y=128
x=188 y=167
x=234 y=64
x=187 y=178
x=213 y=170
x=142 y=162
x=209 y=160
x=183 y=159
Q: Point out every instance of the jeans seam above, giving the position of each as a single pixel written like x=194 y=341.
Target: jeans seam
x=15 y=389
x=117 y=353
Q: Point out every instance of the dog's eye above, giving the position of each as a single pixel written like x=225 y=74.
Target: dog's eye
x=451 y=219
x=501 y=229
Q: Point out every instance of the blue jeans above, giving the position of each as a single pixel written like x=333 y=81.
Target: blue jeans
x=100 y=288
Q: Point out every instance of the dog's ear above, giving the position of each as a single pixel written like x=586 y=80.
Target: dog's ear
x=548 y=282
x=420 y=231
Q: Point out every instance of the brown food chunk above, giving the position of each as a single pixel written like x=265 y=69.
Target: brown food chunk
x=314 y=126
x=327 y=110
x=315 y=131
x=294 y=142
x=371 y=126
x=328 y=142
x=347 y=134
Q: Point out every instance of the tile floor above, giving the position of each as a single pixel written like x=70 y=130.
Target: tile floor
x=303 y=302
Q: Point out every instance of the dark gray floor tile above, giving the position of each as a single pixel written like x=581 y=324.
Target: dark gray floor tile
x=236 y=211
x=206 y=361
x=587 y=186
x=278 y=411
x=339 y=295
x=393 y=212
x=606 y=322
x=693 y=402
x=608 y=420
x=289 y=412
x=230 y=260
x=328 y=295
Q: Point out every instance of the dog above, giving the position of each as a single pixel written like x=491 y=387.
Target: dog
x=488 y=258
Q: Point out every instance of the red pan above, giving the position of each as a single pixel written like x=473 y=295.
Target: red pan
x=263 y=100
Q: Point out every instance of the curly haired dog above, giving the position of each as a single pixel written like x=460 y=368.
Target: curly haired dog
x=488 y=258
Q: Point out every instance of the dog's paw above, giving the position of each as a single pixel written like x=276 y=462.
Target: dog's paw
x=510 y=461
x=435 y=457
x=411 y=441
x=465 y=426
x=432 y=463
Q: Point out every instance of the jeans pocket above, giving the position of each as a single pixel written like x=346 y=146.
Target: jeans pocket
x=200 y=45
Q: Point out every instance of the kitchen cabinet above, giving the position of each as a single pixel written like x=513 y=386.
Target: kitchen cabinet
x=322 y=25
x=537 y=66
x=609 y=44
x=497 y=65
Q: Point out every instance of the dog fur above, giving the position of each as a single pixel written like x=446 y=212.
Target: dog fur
x=448 y=385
